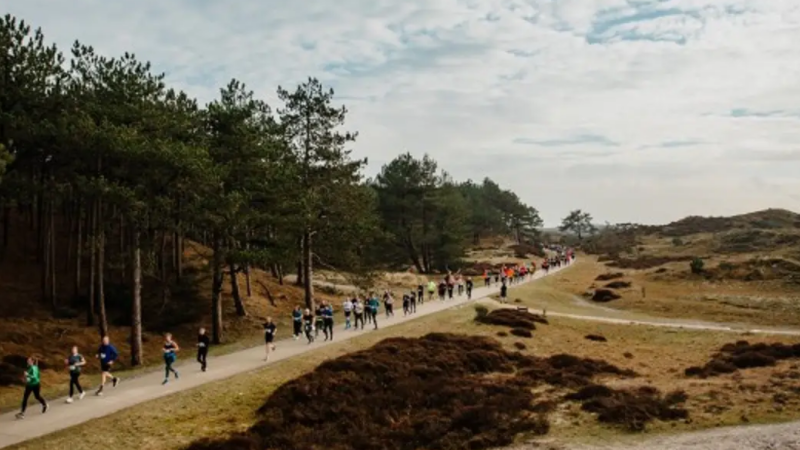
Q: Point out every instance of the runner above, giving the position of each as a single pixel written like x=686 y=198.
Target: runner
x=431 y=289
x=75 y=362
x=107 y=354
x=347 y=306
x=469 y=288
x=327 y=321
x=203 y=343
x=308 y=324
x=503 y=292
x=388 y=300
x=318 y=319
x=406 y=304
x=368 y=308
x=487 y=278
x=269 y=337
x=32 y=386
x=420 y=296
x=374 y=305
x=442 y=290
x=170 y=355
x=413 y=299
x=460 y=282
x=358 y=310
x=297 y=321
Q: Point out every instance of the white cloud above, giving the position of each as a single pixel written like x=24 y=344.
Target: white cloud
x=464 y=80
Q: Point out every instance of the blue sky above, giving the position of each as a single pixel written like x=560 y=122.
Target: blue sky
x=634 y=110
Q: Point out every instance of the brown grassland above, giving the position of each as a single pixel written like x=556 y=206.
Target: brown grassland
x=659 y=357
x=750 y=278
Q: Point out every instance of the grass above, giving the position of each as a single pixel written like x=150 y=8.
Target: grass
x=658 y=355
x=654 y=296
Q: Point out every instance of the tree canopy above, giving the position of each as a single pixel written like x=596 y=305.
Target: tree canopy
x=578 y=222
x=99 y=152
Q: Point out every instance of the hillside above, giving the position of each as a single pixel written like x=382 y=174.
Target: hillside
x=748 y=269
x=29 y=326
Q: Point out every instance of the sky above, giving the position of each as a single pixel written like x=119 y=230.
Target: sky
x=632 y=110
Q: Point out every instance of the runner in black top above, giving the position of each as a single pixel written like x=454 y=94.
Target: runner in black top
x=308 y=324
x=327 y=317
x=413 y=299
x=420 y=294
x=442 y=290
x=170 y=350
x=406 y=304
x=203 y=342
x=269 y=337
x=503 y=292
x=469 y=288
x=297 y=321
x=318 y=319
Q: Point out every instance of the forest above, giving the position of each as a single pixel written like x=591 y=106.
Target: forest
x=112 y=172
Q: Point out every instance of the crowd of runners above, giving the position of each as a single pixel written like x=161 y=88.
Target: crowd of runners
x=359 y=311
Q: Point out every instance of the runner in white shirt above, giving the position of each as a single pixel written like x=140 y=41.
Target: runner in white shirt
x=359 y=312
x=347 y=307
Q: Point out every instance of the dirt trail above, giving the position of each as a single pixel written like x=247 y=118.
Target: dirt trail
x=665 y=323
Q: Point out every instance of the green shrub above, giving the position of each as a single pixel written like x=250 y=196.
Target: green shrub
x=677 y=242
x=697 y=265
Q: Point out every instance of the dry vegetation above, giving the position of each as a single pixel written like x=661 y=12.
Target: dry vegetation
x=750 y=275
x=320 y=397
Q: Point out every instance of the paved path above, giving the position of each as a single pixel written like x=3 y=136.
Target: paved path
x=146 y=387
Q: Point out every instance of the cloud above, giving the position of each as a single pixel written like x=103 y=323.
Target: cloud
x=708 y=87
x=569 y=141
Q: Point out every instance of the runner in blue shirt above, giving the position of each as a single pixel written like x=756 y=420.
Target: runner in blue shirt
x=107 y=354
x=327 y=320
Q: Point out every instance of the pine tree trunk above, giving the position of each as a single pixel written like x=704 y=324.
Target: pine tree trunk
x=237 y=297
x=300 y=270
x=6 y=227
x=40 y=217
x=52 y=257
x=308 y=271
x=247 y=282
x=100 y=288
x=136 y=312
x=79 y=252
x=44 y=247
x=163 y=268
x=178 y=245
x=216 y=292
x=90 y=304
x=123 y=257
